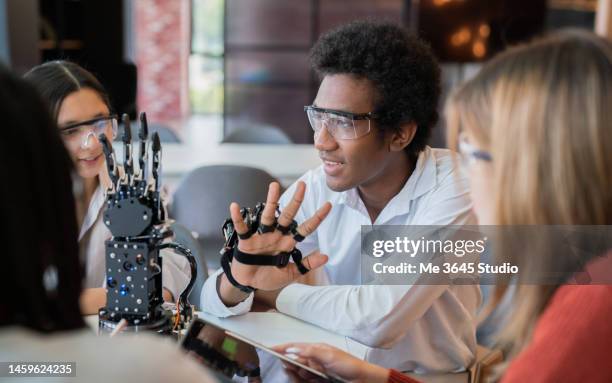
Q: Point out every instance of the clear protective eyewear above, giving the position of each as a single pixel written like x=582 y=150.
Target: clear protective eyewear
x=81 y=133
x=470 y=153
x=341 y=125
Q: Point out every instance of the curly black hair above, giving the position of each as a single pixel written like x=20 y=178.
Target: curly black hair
x=402 y=68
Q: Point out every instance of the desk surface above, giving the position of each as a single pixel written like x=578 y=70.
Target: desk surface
x=271 y=329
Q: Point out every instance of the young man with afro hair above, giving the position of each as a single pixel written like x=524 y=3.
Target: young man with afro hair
x=372 y=117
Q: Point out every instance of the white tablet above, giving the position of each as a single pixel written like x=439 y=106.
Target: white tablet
x=232 y=355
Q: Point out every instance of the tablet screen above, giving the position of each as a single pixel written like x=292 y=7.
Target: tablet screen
x=234 y=356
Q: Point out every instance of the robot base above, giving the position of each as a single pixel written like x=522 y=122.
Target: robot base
x=163 y=323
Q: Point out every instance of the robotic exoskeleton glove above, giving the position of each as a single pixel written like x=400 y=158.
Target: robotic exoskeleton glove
x=252 y=218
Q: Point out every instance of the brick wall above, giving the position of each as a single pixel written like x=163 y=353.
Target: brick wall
x=162 y=43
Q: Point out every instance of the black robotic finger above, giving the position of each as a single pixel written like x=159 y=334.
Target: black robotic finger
x=143 y=135
x=156 y=166
x=109 y=153
x=156 y=171
x=128 y=166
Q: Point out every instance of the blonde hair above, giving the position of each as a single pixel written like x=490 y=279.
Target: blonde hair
x=542 y=109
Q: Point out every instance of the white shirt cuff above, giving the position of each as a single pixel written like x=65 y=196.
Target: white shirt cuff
x=287 y=301
x=212 y=304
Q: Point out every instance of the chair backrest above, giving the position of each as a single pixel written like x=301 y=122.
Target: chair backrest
x=201 y=201
x=166 y=134
x=258 y=135
x=183 y=236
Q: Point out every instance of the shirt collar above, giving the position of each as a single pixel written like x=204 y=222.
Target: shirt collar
x=95 y=205
x=421 y=181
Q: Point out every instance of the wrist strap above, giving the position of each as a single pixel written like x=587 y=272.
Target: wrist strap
x=227 y=269
x=279 y=260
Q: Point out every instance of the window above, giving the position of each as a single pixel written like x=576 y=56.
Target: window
x=249 y=59
x=207 y=55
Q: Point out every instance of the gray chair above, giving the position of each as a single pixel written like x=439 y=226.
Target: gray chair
x=258 y=135
x=183 y=236
x=201 y=201
x=165 y=133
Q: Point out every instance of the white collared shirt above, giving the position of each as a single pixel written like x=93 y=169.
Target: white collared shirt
x=175 y=274
x=422 y=328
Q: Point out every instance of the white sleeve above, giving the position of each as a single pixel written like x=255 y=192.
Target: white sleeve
x=176 y=272
x=377 y=316
x=212 y=304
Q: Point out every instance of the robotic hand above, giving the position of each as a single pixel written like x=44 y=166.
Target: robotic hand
x=135 y=216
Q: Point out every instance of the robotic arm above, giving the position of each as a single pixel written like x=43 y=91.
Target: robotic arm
x=136 y=219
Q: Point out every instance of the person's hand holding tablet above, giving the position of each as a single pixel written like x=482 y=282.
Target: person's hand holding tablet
x=330 y=361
